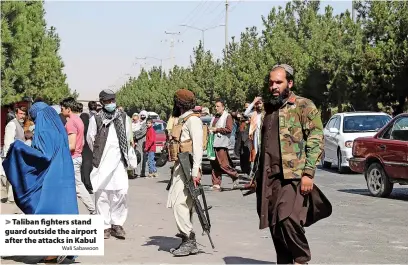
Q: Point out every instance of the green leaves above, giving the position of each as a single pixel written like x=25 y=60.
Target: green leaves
x=30 y=63
x=339 y=63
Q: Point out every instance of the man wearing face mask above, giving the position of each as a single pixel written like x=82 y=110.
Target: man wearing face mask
x=291 y=143
x=108 y=138
x=140 y=140
x=14 y=131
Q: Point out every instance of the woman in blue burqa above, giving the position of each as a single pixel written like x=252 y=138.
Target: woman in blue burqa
x=42 y=176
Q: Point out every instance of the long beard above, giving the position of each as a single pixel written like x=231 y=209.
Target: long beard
x=176 y=111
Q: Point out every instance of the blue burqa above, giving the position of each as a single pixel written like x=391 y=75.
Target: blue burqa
x=43 y=176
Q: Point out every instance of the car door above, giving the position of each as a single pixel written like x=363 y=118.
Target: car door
x=393 y=149
x=331 y=154
x=326 y=134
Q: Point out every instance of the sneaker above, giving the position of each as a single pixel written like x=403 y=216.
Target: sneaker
x=118 y=232
x=216 y=188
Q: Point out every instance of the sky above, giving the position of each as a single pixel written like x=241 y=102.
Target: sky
x=101 y=40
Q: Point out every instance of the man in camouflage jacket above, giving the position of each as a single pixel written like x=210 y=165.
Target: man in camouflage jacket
x=291 y=143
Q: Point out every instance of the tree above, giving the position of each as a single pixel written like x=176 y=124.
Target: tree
x=339 y=63
x=30 y=65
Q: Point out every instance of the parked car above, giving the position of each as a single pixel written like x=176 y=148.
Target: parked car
x=341 y=131
x=153 y=115
x=206 y=166
x=383 y=159
x=159 y=127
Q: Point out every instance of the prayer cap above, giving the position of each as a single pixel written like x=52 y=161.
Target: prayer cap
x=287 y=68
x=106 y=94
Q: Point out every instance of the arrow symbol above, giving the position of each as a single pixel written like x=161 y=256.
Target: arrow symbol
x=7 y=222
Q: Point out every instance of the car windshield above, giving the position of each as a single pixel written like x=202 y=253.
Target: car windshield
x=364 y=123
x=158 y=127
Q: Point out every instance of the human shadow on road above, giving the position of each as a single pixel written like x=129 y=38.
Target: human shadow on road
x=397 y=194
x=241 y=260
x=334 y=170
x=165 y=181
x=165 y=243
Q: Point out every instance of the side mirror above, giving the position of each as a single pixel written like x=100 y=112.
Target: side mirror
x=333 y=130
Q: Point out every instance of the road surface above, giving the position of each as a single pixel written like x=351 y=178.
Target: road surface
x=362 y=229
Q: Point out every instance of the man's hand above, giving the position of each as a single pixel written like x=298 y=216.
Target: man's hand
x=306 y=185
x=197 y=179
x=257 y=99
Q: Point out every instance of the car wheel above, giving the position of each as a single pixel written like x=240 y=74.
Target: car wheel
x=324 y=163
x=340 y=168
x=378 y=183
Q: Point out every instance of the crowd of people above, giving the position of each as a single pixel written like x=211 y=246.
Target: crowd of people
x=279 y=140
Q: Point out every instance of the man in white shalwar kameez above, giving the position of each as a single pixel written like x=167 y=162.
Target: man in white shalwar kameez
x=109 y=141
x=178 y=198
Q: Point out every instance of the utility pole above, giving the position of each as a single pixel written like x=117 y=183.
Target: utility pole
x=226 y=27
x=203 y=30
x=172 y=44
x=353 y=10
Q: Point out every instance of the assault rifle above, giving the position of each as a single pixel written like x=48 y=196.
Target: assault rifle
x=185 y=161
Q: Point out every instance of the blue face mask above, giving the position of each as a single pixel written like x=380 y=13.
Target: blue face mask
x=110 y=107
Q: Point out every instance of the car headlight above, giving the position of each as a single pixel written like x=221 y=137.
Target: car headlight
x=348 y=144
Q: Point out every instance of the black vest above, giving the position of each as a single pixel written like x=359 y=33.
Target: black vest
x=101 y=137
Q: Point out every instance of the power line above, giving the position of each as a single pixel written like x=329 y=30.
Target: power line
x=198 y=17
x=192 y=14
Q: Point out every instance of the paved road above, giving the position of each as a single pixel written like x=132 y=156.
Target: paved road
x=362 y=229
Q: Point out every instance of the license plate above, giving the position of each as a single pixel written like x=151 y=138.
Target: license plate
x=158 y=149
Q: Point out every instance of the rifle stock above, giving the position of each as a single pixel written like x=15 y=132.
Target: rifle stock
x=185 y=162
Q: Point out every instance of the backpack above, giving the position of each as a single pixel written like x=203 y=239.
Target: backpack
x=176 y=146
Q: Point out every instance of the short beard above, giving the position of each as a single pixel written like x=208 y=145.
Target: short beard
x=279 y=100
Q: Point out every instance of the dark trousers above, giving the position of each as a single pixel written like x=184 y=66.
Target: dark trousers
x=290 y=242
x=244 y=162
x=86 y=168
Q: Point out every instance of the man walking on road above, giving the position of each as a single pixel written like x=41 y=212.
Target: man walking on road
x=75 y=130
x=178 y=199
x=291 y=143
x=108 y=137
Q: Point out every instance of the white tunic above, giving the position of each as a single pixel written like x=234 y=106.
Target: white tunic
x=111 y=174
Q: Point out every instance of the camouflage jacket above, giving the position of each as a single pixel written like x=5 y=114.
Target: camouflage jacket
x=301 y=137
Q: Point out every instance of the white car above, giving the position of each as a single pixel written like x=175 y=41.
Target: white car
x=340 y=132
x=153 y=115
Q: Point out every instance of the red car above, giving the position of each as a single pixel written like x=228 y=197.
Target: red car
x=160 y=127
x=383 y=158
